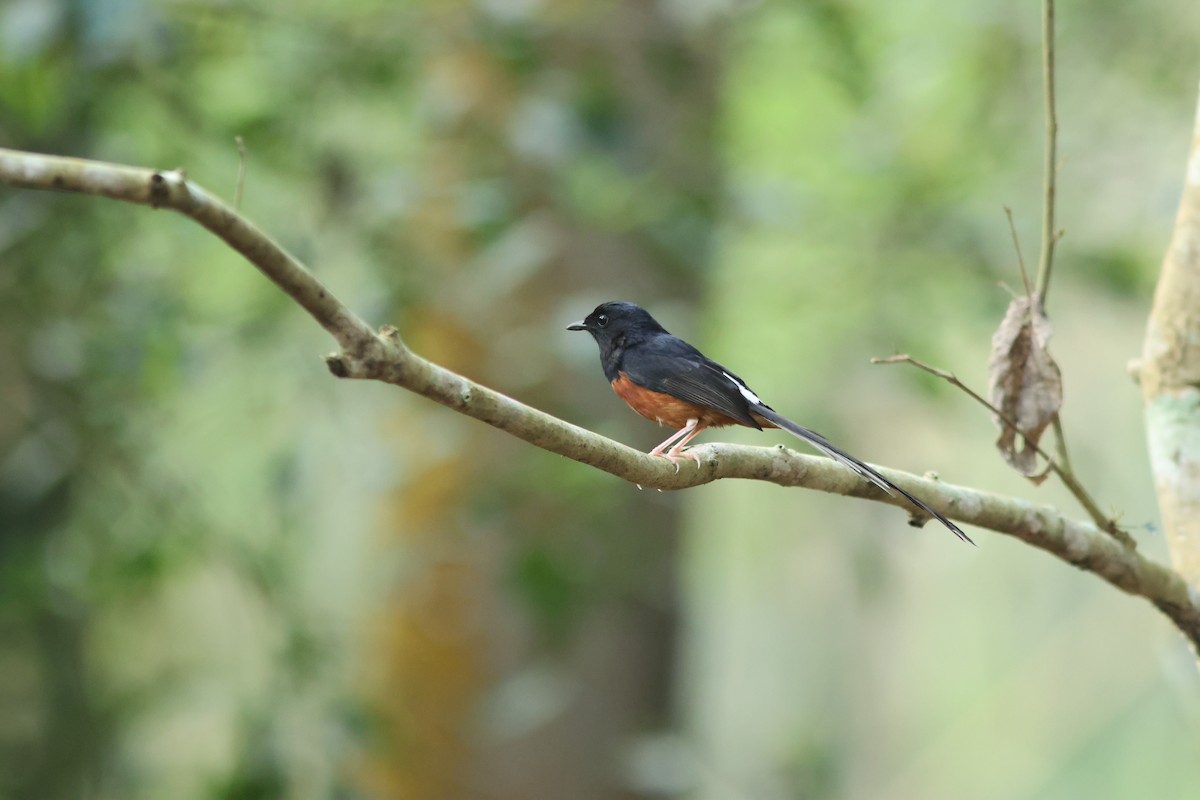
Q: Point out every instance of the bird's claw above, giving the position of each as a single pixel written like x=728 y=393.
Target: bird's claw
x=674 y=455
x=672 y=459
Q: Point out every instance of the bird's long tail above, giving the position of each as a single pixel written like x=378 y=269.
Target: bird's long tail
x=845 y=459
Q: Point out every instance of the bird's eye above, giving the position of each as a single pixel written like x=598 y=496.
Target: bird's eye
x=602 y=320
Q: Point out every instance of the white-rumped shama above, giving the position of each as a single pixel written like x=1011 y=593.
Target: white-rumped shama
x=668 y=381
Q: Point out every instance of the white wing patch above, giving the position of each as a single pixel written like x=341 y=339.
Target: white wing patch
x=744 y=389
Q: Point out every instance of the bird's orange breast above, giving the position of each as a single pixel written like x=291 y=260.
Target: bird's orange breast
x=666 y=409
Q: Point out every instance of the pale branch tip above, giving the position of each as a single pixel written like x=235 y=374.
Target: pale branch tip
x=337 y=366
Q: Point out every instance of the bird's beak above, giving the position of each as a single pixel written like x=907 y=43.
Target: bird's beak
x=577 y=326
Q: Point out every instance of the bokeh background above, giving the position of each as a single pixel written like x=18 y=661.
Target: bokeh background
x=224 y=574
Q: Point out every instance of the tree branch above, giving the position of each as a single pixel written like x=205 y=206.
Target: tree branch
x=171 y=189
x=384 y=357
x=1169 y=373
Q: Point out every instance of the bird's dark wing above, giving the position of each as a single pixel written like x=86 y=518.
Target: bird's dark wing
x=670 y=365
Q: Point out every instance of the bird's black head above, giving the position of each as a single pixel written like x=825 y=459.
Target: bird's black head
x=617 y=326
x=618 y=323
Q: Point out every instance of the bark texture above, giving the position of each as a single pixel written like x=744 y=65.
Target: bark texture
x=1170 y=379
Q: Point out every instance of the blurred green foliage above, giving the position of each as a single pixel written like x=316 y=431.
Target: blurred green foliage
x=223 y=575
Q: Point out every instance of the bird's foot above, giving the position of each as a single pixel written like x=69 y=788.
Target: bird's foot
x=676 y=453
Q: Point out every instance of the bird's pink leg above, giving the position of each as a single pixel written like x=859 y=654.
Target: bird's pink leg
x=683 y=435
x=684 y=431
x=677 y=450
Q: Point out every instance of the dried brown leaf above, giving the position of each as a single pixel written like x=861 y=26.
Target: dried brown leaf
x=1024 y=382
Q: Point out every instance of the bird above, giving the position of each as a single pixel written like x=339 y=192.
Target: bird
x=668 y=381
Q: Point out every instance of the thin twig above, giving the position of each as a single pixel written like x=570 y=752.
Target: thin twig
x=241 y=176
x=1060 y=441
x=1062 y=470
x=1049 y=176
x=1012 y=228
x=1050 y=157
